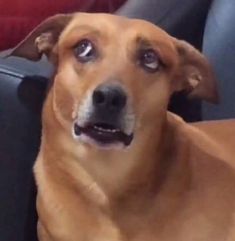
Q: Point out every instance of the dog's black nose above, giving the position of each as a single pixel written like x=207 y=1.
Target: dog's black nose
x=109 y=97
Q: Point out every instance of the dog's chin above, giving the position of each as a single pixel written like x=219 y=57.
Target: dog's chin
x=102 y=136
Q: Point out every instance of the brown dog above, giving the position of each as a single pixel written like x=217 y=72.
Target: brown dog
x=114 y=165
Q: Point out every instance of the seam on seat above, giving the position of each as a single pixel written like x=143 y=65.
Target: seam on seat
x=7 y=71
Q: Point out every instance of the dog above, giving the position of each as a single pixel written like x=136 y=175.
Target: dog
x=114 y=164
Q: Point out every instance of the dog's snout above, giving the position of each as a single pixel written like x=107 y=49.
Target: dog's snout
x=109 y=98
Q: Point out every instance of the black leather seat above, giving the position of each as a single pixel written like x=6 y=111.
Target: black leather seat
x=219 y=46
x=21 y=94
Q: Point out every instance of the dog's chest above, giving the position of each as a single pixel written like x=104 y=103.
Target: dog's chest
x=196 y=217
x=204 y=214
x=193 y=225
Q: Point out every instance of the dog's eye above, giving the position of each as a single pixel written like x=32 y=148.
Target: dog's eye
x=85 y=51
x=149 y=60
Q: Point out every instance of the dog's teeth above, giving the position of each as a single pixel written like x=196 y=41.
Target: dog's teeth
x=100 y=130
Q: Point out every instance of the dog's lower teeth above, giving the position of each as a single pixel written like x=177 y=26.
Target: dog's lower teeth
x=111 y=130
x=100 y=129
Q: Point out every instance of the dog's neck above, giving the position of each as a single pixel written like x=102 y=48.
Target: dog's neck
x=145 y=168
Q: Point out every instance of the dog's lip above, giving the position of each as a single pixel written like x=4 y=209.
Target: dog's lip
x=103 y=133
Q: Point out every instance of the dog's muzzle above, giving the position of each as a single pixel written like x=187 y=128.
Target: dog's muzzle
x=105 y=122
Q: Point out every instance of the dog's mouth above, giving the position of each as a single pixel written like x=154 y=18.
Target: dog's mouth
x=104 y=134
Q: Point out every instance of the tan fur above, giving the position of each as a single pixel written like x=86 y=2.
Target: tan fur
x=175 y=182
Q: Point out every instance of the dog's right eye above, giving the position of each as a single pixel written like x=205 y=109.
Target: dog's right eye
x=85 y=51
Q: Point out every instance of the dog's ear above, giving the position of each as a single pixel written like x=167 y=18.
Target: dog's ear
x=195 y=73
x=42 y=39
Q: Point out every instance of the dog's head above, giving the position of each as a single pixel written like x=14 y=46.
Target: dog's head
x=115 y=75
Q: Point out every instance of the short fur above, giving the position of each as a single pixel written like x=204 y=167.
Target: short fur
x=175 y=182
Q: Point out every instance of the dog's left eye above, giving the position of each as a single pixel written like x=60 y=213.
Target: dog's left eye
x=149 y=60
x=85 y=51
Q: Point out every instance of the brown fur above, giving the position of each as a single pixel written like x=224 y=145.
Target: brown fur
x=176 y=182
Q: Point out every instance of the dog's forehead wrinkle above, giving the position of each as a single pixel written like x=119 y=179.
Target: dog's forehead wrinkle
x=143 y=41
x=85 y=28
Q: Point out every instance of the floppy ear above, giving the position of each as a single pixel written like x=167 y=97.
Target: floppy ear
x=42 y=39
x=195 y=73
